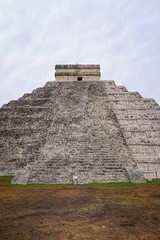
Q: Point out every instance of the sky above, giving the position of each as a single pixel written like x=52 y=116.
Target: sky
x=123 y=36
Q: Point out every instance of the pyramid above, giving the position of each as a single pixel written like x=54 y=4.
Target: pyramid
x=80 y=129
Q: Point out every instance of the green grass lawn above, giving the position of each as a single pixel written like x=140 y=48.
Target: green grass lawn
x=6 y=181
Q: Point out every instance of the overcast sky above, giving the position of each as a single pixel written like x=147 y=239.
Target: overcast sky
x=123 y=36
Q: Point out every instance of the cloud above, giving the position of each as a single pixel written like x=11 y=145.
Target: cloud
x=121 y=36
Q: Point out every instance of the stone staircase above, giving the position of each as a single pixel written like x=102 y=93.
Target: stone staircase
x=78 y=143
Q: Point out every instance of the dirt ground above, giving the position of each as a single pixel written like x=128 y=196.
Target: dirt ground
x=81 y=213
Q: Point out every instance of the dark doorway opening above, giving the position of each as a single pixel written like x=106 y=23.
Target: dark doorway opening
x=79 y=78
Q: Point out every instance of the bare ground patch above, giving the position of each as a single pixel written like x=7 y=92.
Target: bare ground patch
x=81 y=213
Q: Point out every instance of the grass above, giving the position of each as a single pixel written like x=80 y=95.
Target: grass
x=123 y=184
x=6 y=181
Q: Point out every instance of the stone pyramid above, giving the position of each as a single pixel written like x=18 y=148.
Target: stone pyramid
x=79 y=128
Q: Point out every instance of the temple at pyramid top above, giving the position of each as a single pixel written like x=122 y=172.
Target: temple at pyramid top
x=77 y=72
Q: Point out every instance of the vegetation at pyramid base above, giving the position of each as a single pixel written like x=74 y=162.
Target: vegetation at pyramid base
x=6 y=181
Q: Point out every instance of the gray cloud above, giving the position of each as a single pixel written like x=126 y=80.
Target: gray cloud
x=123 y=36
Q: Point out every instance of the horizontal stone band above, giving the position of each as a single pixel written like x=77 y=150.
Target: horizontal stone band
x=76 y=74
x=78 y=66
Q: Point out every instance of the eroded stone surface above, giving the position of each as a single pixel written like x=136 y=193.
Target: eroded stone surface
x=78 y=72
x=94 y=130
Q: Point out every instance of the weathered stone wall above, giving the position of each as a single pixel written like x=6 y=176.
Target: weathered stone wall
x=72 y=72
x=72 y=78
x=23 y=125
x=94 y=130
x=139 y=119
